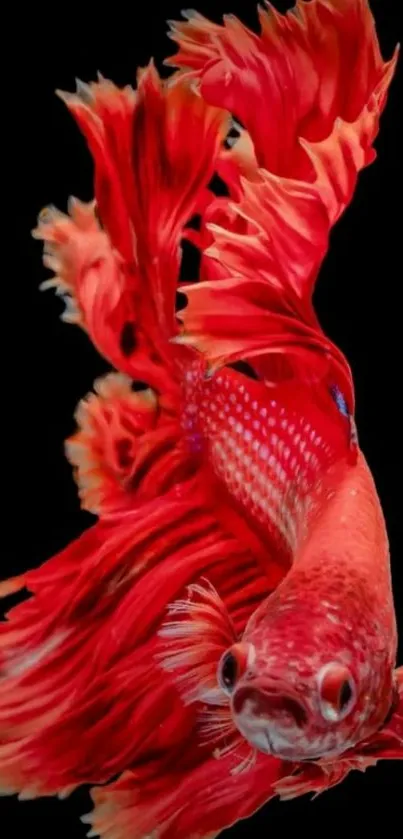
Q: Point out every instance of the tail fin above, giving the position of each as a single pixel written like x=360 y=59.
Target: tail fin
x=315 y=64
x=308 y=147
x=154 y=151
x=264 y=305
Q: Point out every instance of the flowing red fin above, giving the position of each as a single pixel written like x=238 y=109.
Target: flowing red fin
x=195 y=39
x=222 y=213
x=188 y=803
x=83 y=647
x=171 y=183
x=314 y=778
x=149 y=180
x=265 y=307
x=310 y=163
x=127 y=447
x=287 y=212
x=283 y=239
x=201 y=626
x=104 y=114
x=197 y=632
x=347 y=150
x=194 y=639
x=96 y=285
x=313 y=52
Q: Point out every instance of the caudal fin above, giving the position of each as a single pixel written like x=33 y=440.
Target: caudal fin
x=309 y=91
x=117 y=260
x=317 y=64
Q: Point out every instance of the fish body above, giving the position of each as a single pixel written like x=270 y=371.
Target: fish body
x=268 y=446
x=351 y=640
x=287 y=464
x=225 y=631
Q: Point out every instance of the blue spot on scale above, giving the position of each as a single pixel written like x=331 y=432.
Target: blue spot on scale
x=340 y=401
x=344 y=410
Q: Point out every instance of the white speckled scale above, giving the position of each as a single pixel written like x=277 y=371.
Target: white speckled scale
x=268 y=449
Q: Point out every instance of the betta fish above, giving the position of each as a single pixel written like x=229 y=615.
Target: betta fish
x=225 y=631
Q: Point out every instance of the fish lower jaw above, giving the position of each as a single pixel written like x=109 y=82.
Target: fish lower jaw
x=268 y=739
x=265 y=738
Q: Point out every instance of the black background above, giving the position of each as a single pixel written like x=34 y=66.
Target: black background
x=48 y=366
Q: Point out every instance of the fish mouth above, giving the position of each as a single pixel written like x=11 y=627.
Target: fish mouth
x=266 y=739
x=270 y=719
x=269 y=702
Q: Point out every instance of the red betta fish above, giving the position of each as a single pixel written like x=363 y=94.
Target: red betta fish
x=225 y=632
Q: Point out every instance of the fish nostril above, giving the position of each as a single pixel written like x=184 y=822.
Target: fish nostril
x=267 y=705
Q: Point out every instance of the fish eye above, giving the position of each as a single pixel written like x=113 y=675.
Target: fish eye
x=336 y=691
x=233 y=664
x=228 y=672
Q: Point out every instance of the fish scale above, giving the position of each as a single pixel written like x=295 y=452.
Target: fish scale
x=270 y=457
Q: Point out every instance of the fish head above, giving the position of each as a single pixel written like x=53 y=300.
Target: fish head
x=303 y=690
